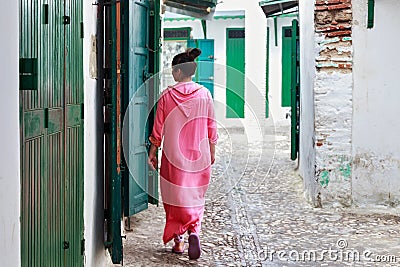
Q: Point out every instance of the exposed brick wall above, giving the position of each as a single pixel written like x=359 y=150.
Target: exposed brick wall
x=333 y=105
x=333 y=20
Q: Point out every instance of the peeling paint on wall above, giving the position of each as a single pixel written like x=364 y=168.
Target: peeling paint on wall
x=376 y=179
x=376 y=146
x=355 y=97
x=324 y=179
x=333 y=121
x=342 y=171
x=333 y=102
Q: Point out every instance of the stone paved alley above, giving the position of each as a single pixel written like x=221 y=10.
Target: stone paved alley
x=251 y=214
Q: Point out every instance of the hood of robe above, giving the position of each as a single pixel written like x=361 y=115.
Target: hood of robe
x=181 y=93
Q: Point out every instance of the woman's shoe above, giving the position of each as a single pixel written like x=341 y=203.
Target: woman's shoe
x=194 y=246
x=179 y=246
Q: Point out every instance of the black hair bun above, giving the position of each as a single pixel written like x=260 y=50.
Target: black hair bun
x=193 y=53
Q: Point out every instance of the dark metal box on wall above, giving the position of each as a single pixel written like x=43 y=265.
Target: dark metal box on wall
x=195 y=8
x=276 y=7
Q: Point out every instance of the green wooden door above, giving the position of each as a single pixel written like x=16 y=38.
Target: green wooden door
x=295 y=90
x=47 y=164
x=73 y=127
x=235 y=72
x=135 y=41
x=112 y=129
x=205 y=63
x=286 y=66
x=136 y=101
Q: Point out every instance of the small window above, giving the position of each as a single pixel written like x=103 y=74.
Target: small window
x=236 y=34
x=288 y=32
x=177 y=34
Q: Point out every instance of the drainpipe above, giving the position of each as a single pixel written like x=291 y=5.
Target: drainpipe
x=371 y=14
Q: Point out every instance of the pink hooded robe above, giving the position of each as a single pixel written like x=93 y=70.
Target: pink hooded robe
x=185 y=121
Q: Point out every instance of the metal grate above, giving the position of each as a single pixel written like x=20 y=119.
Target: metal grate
x=288 y=32
x=235 y=34
x=176 y=34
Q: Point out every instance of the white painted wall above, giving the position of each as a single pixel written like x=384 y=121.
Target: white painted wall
x=10 y=193
x=275 y=70
x=255 y=59
x=95 y=253
x=376 y=144
x=307 y=74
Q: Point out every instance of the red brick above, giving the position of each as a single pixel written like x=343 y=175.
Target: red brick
x=345 y=65
x=340 y=6
x=333 y=28
x=328 y=2
x=339 y=33
x=321 y=8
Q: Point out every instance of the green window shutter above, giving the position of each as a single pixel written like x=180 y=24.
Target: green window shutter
x=51 y=134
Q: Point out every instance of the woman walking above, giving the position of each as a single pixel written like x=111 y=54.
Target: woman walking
x=185 y=125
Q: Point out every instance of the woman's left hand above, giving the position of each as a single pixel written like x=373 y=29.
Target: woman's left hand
x=152 y=160
x=212 y=152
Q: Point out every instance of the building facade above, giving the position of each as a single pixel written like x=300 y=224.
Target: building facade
x=348 y=153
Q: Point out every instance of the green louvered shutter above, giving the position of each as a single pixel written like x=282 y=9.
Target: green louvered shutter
x=51 y=152
x=73 y=92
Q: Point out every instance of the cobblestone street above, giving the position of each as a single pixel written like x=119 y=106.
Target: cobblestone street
x=256 y=215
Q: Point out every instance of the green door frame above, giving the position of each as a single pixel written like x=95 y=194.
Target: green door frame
x=295 y=90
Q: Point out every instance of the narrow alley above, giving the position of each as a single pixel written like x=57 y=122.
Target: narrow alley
x=260 y=218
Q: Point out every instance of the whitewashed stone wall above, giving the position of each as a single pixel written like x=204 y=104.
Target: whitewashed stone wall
x=307 y=74
x=275 y=70
x=95 y=253
x=328 y=88
x=10 y=195
x=376 y=143
x=355 y=104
